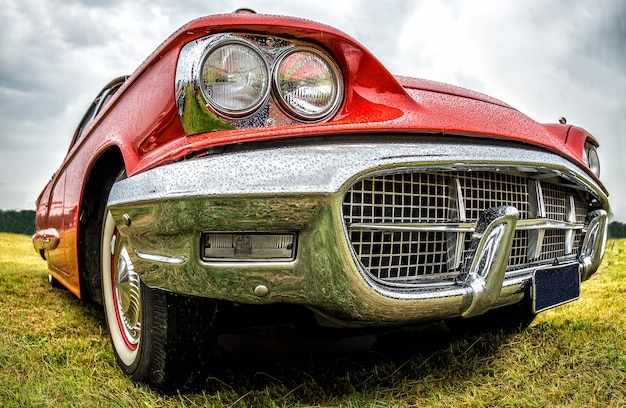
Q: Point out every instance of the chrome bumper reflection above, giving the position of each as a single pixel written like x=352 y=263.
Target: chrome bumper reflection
x=301 y=189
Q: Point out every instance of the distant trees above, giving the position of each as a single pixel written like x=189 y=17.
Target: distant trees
x=617 y=230
x=17 y=222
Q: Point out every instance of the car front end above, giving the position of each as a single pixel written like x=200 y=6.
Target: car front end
x=370 y=202
x=259 y=160
x=364 y=231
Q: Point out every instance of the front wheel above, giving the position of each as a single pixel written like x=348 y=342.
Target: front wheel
x=159 y=338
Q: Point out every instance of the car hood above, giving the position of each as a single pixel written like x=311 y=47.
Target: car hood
x=443 y=88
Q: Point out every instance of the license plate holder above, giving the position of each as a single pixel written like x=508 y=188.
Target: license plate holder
x=555 y=286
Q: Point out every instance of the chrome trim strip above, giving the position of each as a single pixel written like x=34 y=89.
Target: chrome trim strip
x=423 y=226
x=570 y=216
x=173 y=260
x=530 y=225
x=534 y=224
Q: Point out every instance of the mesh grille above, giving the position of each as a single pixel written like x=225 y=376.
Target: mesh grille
x=400 y=256
x=408 y=197
x=421 y=197
x=486 y=190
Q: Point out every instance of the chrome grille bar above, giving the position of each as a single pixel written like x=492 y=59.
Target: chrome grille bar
x=522 y=225
x=537 y=210
x=456 y=212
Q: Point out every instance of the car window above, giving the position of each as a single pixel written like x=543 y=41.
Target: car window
x=98 y=103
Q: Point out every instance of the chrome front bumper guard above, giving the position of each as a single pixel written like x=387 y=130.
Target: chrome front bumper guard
x=486 y=266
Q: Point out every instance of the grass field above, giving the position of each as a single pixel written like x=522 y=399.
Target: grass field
x=54 y=351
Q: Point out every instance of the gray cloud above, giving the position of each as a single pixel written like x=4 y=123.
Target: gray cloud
x=549 y=59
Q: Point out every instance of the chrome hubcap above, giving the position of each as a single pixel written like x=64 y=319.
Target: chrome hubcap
x=127 y=294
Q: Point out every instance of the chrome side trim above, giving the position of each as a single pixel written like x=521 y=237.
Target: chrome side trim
x=173 y=260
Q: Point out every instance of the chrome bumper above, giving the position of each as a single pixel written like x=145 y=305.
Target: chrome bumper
x=162 y=213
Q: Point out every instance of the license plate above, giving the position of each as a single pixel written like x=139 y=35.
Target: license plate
x=555 y=286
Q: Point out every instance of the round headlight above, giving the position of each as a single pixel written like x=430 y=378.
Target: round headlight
x=234 y=78
x=307 y=83
x=591 y=158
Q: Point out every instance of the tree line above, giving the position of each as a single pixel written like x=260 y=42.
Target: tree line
x=17 y=222
x=617 y=230
x=23 y=222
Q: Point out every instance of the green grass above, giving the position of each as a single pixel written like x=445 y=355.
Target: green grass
x=54 y=351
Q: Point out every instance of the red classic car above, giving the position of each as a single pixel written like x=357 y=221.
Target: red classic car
x=259 y=170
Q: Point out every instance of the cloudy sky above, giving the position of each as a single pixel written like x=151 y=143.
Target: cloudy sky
x=548 y=59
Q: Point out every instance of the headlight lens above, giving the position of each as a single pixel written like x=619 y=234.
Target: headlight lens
x=308 y=84
x=590 y=156
x=234 y=78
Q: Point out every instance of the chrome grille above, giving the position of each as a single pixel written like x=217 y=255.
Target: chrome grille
x=401 y=256
x=415 y=227
x=397 y=198
x=486 y=190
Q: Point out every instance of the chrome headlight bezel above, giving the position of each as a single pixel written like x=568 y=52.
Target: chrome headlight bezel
x=264 y=75
x=200 y=114
x=591 y=158
x=292 y=94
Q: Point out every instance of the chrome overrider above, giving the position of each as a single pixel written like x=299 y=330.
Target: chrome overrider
x=594 y=242
x=491 y=246
x=299 y=188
